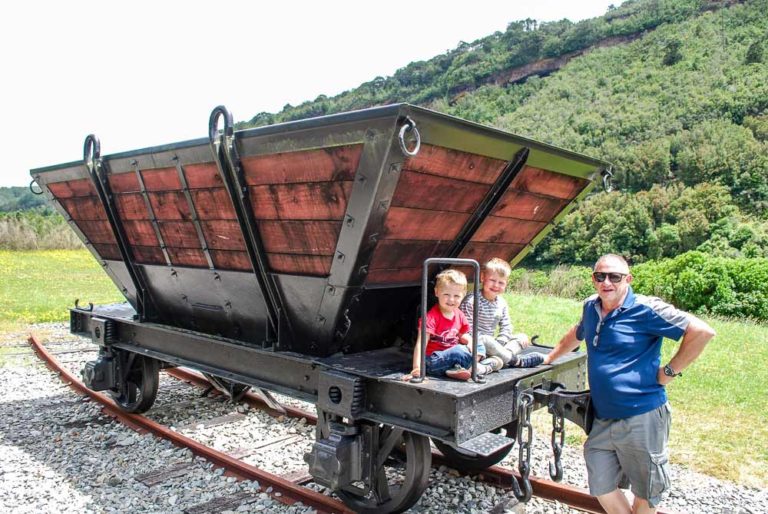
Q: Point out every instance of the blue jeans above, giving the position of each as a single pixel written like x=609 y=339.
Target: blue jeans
x=440 y=362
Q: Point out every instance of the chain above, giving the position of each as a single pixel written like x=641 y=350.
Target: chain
x=558 y=428
x=524 y=439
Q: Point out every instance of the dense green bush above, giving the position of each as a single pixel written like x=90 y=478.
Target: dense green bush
x=703 y=284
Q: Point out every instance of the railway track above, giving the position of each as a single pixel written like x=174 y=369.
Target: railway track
x=287 y=489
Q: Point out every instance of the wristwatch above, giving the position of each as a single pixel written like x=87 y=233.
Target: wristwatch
x=671 y=372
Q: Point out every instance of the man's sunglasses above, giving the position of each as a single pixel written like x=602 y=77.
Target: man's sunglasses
x=615 y=278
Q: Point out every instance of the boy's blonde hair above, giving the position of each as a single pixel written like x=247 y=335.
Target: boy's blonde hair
x=451 y=276
x=498 y=266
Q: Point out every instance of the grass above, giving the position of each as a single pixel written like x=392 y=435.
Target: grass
x=39 y=286
x=720 y=405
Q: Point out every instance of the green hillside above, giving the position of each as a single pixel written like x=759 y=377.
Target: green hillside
x=674 y=93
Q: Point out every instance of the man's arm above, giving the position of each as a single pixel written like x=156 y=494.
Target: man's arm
x=697 y=335
x=568 y=343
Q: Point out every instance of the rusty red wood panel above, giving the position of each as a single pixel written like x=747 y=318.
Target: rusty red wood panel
x=321 y=165
x=70 y=188
x=148 y=254
x=391 y=254
x=223 y=235
x=315 y=265
x=507 y=230
x=124 y=182
x=300 y=237
x=308 y=201
x=394 y=276
x=170 y=205
x=406 y=223
x=107 y=251
x=203 y=175
x=131 y=206
x=213 y=204
x=140 y=233
x=526 y=206
x=422 y=191
x=483 y=252
x=86 y=208
x=97 y=232
x=192 y=257
x=445 y=162
x=161 y=179
x=536 y=180
x=179 y=234
x=224 y=259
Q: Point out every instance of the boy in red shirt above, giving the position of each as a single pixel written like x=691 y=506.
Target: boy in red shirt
x=449 y=347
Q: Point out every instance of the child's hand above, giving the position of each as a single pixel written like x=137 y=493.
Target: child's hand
x=415 y=373
x=524 y=341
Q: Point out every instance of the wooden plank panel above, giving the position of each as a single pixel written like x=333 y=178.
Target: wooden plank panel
x=124 y=183
x=309 y=201
x=192 y=257
x=213 y=204
x=170 y=205
x=394 y=276
x=507 y=230
x=314 y=265
x=483 y=252
x=131 y=206
x=548 y=183
x=525 y=206
x=300 y=237
x=97 y=232
x=223 y=235
x=140 y=233
x=179 y=234
x=321 y=165
x=148 y=254
x=422 y=191
x=406 y=223
x=70 y=188
x=391 y=254
x=445 y=162
x=108 y=251
x=203 y=175
x=161 y=179
x=84 y=208
x=238 y=261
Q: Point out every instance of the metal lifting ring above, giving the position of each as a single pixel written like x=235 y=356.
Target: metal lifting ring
x=213 y=122
x=607 y=176
x=32 y=190
x=91 y=150
x=409 y=126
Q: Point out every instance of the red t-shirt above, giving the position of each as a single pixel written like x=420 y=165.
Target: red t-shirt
x=443 y=332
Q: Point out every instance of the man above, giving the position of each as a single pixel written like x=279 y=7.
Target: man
x=624 y=332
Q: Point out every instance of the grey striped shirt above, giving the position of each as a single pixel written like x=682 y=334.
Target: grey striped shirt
x=490 y=316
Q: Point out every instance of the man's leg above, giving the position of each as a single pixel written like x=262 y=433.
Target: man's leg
x=640 y=506
x=615 y=502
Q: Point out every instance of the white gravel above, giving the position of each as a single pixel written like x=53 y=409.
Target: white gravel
x=60 y=454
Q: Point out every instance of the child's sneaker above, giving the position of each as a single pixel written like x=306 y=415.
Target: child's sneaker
x=530 y=360
x=491 y=364
x=459 y=373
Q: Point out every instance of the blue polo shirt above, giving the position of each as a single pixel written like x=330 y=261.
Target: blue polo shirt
x=624 y=352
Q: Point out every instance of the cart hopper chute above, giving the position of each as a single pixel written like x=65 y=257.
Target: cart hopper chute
x=309 y=236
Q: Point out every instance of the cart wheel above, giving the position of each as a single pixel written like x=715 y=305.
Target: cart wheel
x=137 y=392
x=471 y=462
x=399 y=478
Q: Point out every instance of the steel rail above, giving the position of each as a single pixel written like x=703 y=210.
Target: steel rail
x=290 y=492
x=572 y=496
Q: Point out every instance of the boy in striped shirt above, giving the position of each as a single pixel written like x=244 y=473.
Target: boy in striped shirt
x=493 y=314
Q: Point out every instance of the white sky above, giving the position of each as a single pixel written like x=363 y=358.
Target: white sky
x=145 y=73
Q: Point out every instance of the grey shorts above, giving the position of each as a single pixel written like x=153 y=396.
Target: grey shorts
x=631 y=450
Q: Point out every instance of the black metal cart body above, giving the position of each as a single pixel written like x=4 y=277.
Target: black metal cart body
x=289 y=258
